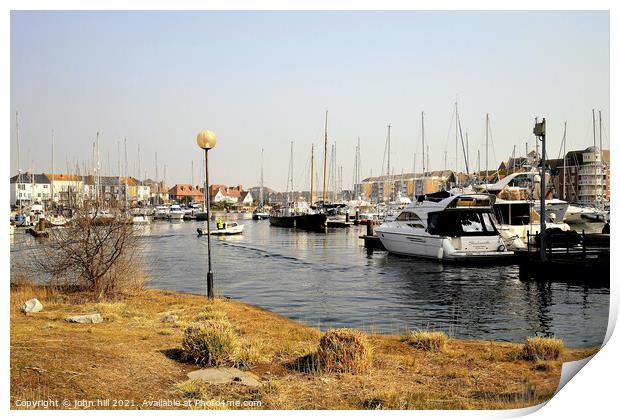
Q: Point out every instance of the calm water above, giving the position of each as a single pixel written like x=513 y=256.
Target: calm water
x=330 y=280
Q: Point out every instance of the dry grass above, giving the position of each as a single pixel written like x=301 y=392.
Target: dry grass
x=433 y=341
x=210 y=343
x=343 y=350
x=134 y=356
x=542 y=348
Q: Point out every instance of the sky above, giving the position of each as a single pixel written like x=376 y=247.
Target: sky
x=260 y=80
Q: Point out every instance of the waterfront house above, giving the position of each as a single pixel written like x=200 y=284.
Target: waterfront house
x=224 y=194
x=29 y=188
x=67 y=189
x=246 y=198
x=186 y=193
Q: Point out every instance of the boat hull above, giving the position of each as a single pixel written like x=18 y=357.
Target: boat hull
x=305 y=221
x=440 y=248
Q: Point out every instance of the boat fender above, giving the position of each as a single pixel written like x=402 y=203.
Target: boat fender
x=199 y=231
x=501 y=248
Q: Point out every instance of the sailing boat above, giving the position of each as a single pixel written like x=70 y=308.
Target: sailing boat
x=260 y=212
x=291 y=216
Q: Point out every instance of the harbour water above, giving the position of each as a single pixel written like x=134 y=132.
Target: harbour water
x=330 y=280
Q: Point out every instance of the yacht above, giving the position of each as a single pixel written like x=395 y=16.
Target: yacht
x=161 y=212
x=525 y=186
x=515 y=219
x=260 y=214
x=176 y=212
x=581 y=214
x=291 y=216
x=443 y=226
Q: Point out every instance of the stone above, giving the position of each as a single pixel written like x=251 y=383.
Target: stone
x=170 y=318
x=85 y=319
x=33 y=305
x=224 y=376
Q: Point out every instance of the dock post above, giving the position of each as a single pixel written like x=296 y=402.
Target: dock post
x=370 y=228
x=346 y=217
x=584 y=252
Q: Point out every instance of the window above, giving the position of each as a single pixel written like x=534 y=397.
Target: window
x=461 y=223
x=21 y=186
x=45 y=186
x=407 y=216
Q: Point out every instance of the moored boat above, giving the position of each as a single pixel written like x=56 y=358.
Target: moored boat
x=443 y=226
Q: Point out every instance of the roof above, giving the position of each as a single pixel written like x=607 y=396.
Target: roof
x=64 y=177
x=409 y=175
x=182 y=190
x=244 y=194
x=27 y=178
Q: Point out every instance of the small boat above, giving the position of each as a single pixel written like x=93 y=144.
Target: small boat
x=176 y=212
x=450 y=227
x=260 y=214
x=223 y=228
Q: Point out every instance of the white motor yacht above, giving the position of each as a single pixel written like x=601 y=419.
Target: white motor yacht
x=161 y=212
x=176 y=212
x=516 y=218
x=446 y=227
x=581 y=214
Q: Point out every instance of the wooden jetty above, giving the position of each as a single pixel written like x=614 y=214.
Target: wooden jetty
x=569 y=256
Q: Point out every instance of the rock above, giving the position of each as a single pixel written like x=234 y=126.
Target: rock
x=85 y=319
x=170 y=318
x=33 y=305
x=224 y=376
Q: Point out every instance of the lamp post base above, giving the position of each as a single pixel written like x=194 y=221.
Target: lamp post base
x=210 y=285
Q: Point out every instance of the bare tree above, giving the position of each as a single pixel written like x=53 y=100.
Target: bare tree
x=97 y=253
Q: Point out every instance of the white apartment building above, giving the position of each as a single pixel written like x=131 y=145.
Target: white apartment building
x=29 y=189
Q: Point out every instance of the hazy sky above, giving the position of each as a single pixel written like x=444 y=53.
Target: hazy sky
x=262 y=79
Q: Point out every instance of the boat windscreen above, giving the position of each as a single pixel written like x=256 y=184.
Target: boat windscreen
x=516 y=214
x=461 y=223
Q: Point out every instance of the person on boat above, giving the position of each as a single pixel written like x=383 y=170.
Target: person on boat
x=220 y=224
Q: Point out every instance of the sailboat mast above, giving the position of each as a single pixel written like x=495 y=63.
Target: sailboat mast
x=456 y=136
x=125 y=173
x=564 y=164
x=325 y=163
x=97 y=178
x=600 y=137
x=389 y=173
x=414 y=175
x=261 y=178
x=312 y=175
x=52 y=175
x=486 y=146
x=423 y=147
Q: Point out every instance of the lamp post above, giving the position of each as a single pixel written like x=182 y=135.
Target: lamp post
x=206 y=140
x=540 y=131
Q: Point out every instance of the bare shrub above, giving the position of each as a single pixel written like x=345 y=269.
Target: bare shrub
x=344 y=350
x=96 y=254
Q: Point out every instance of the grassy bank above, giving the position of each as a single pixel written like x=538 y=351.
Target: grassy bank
x=133 y=355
